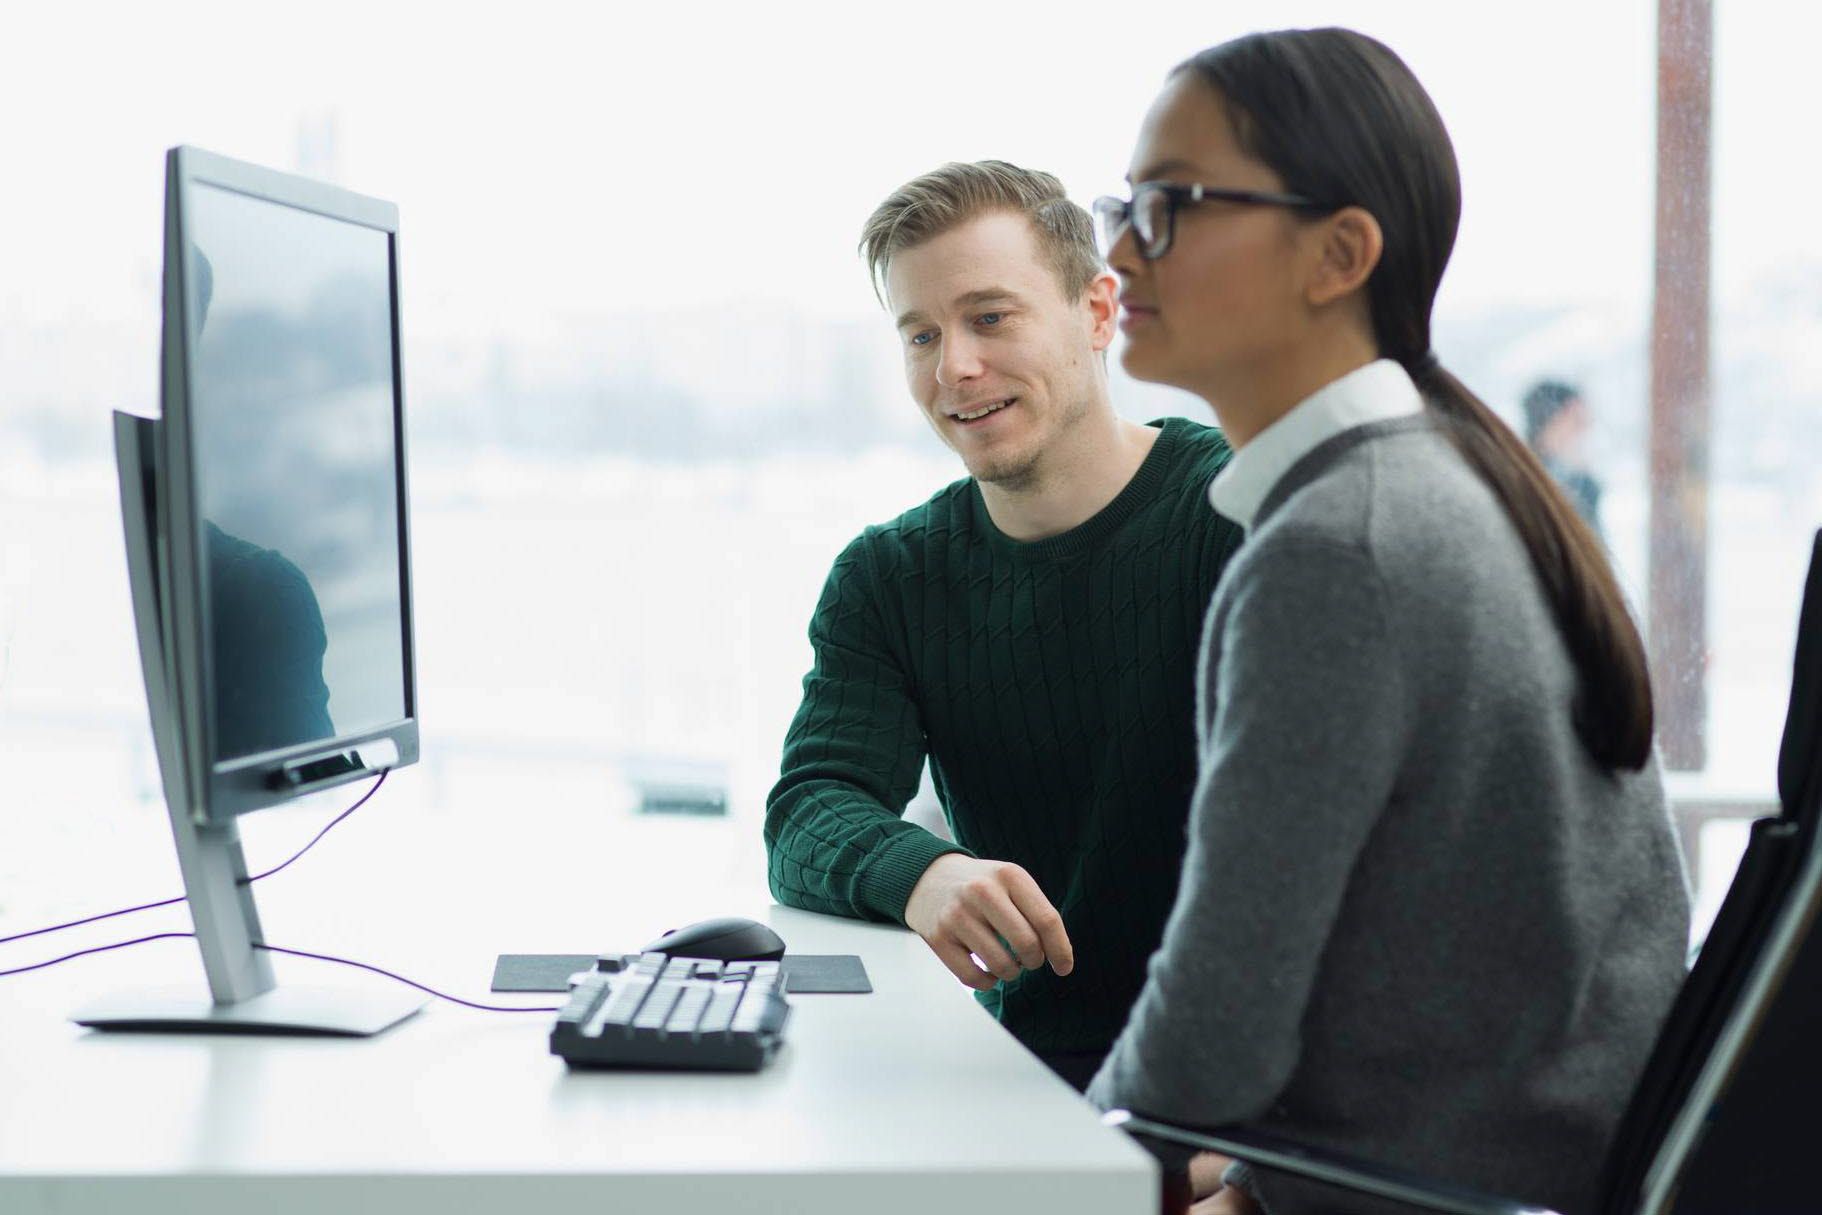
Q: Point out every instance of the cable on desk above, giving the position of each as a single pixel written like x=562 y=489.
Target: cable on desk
x=296 y=953
x=108 y=915
x=323 y=957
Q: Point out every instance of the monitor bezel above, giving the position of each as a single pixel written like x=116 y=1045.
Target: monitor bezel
x=222 y=791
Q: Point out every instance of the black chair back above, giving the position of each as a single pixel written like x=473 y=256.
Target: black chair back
x=1798 y=775
x=1739 y=1044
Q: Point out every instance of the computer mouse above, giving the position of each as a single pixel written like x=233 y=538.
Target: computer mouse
x=728 y=939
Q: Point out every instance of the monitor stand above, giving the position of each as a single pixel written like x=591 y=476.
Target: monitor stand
x=312 y=1011
x=243 y=995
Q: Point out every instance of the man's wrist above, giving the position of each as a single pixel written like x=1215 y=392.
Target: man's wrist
x=888 y=878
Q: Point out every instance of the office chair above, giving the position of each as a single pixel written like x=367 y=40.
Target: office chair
x=1723 y=1118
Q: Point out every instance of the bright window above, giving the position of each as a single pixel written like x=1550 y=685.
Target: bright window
x=651 y=394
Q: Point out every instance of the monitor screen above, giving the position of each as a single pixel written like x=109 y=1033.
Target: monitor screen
x=292 y=413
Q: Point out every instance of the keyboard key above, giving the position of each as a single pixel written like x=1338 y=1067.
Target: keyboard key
x=657 y=1006
x=748 y=1016
x=624 y=1004
x=690 y=1006
x=720 y=1013
x=583 y=1000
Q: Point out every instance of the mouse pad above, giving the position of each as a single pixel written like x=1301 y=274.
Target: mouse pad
x=804 y=973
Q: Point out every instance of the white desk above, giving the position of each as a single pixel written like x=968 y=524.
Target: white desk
x=909 y=1100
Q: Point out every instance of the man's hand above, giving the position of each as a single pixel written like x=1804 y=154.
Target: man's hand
x=1212 y=1196
x=963 y=906
x=1205 y=1169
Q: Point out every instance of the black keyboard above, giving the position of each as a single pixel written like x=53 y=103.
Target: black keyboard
x=664 y=1012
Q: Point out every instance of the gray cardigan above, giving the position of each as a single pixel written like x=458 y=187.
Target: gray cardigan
x=1417 y=922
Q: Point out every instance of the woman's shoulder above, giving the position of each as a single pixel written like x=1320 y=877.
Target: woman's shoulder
x=1399 y=476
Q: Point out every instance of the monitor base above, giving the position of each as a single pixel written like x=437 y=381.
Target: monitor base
x=320 y=1011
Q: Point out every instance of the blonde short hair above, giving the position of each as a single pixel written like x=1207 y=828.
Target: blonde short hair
x=947 y=197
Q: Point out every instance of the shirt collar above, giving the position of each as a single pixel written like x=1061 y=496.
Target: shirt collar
x=1379 y=391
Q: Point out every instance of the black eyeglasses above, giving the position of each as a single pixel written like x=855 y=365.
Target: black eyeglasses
x=1152 y=213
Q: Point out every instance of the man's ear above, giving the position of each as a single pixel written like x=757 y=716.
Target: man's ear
x=1102 y=299
x=1349 y=244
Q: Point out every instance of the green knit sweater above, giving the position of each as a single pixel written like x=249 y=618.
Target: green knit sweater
x=1051 y=685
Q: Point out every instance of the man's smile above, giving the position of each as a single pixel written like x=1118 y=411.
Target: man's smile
x=974 y=414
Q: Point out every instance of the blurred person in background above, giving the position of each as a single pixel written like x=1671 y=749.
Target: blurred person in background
x=1556 y=426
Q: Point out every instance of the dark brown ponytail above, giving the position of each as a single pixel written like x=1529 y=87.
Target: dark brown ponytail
x=1341 y=119
x=1613 y=713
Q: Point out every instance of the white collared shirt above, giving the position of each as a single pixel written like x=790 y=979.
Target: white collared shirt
x=1375 y=393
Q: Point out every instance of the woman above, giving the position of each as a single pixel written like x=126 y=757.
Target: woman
x=1432 y=911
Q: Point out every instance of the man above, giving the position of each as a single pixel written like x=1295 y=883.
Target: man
x=1556 y=425
x=1031 y=628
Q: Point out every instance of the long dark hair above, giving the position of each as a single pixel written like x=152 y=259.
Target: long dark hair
x=1341 y=119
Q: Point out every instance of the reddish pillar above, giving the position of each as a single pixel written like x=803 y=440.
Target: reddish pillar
x=1679 y=384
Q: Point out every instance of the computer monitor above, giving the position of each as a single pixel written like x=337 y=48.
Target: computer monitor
x=269 y=554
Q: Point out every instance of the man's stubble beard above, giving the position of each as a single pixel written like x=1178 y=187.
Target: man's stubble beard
x=1024 y=472
x=1015 y=475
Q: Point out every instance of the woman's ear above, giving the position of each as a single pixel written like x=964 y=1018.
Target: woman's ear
x=1349 y=243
